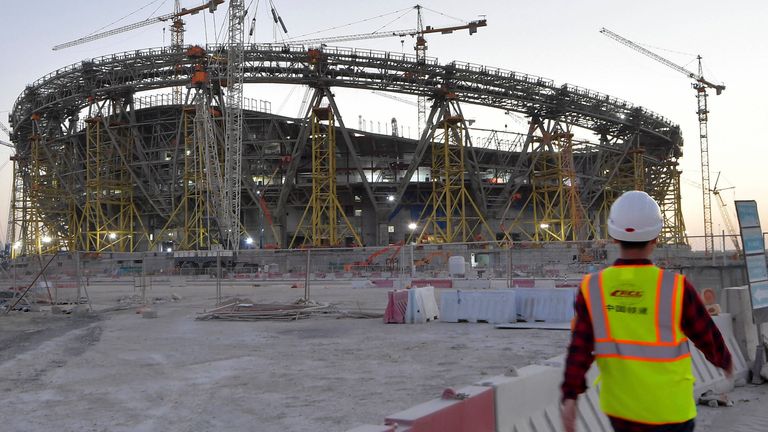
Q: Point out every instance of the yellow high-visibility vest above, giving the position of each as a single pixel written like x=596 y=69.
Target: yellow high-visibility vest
x=640 y=348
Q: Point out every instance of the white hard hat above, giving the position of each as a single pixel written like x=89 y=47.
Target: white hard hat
x=635 y=217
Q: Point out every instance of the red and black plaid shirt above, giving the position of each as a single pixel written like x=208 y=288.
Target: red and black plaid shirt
x=696 y=324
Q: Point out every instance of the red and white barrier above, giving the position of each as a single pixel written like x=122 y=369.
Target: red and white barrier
x=470 y=408
x=396 y=307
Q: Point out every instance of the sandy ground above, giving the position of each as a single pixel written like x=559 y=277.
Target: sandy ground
x=119 y=372
x=115 y=371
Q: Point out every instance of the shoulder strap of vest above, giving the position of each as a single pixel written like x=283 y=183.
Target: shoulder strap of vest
x=666 y=298
x=596 y=304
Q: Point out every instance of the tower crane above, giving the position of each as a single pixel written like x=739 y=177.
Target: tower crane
x=177 y=26
x=729 y=226
x=700 y=85
x=420 y=47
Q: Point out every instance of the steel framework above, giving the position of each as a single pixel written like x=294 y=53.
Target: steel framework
x=147 y=141
x=328 y=225
x=450 y=214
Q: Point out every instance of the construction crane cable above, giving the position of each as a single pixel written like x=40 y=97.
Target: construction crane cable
x=157 y=9
x=687 y=54
x=252 y=30
x=126 y=16
x=399 y=17
x=350 y=24
x=278 y=19
x=445 y=15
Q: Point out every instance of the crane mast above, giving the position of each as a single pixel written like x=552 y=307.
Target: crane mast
x=701 y=85
x=421 y=60
x=233 y=139
x=177 y=42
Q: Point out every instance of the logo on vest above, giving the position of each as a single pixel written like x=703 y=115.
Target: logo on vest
x=626 y=294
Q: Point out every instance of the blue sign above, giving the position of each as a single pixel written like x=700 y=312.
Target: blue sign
x=753 y=241
x=759 y=294
x=747 y=213
x=756 y=268
x=754 y=252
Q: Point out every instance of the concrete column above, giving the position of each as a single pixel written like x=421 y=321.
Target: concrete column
x=382 y=234
x=737 y=303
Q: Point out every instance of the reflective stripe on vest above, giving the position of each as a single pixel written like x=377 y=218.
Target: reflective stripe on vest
x=667 y=346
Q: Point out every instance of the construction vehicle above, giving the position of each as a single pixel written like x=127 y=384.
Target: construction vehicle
x=390 y=261
x=431 y=257
x=701 y=85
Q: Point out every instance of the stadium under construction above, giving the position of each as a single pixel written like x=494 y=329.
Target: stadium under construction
x=106 y=161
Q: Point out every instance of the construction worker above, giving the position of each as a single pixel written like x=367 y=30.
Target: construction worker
x=634 y=319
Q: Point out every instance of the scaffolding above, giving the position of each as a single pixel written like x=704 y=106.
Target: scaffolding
x=139 y=144
x=328 y=224
x=192 y=214
x=555 y=201
x=673 y=232
x=109 y=218
x=450 y=214
x=38 y=217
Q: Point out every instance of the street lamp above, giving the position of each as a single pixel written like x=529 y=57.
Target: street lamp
x=412 y=226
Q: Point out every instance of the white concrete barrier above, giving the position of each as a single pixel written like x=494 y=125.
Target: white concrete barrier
x=709 y=377
x=545 y=304
x=422 y=306
x=496 y=306
x=530 y=401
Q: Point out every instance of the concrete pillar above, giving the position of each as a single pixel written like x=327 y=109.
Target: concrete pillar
x=382 y=237
x=736 y=301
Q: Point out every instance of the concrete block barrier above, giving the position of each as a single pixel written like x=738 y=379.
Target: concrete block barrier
x=709 y=377
x=530 y=401
x=396 y=307
x=422 y=306
x=496 y=306
x=545 y=304
x=470 y=408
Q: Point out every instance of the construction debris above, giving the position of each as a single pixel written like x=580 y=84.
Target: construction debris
x=237 y=309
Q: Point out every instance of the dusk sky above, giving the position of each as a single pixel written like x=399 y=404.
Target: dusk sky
x=556 y=39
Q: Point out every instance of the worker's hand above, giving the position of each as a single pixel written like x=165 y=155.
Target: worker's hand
x=729 y=372
x=568 y=413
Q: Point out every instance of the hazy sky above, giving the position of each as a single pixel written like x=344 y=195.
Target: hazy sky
x=556 y=39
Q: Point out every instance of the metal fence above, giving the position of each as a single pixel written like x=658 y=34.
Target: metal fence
x=66 y=277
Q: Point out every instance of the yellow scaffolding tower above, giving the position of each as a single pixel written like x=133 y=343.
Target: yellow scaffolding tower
x=193 y=206
x=23 y=216
x=109 y=215
x=328 y=224
x=49 y=202
x=630 y=175
x=673 y=231
x=40 y=203
x=555 y=200
x=451 y=214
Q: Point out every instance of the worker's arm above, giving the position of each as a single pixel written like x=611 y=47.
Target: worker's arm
x=698 y=326
x=580 y=354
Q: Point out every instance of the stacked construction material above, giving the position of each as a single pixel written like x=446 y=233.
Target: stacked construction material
x=245 y=310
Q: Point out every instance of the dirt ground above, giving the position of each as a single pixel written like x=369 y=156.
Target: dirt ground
x=115 y=371
x=119 y=372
